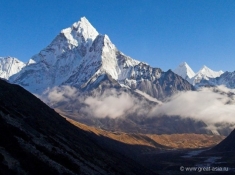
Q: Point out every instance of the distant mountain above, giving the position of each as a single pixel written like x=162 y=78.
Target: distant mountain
x=81 y=57
x=184 y=71
x=10 y=66
x=188 y=74
x=227 y=79
x=204 y=74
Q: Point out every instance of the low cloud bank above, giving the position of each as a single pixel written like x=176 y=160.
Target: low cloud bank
x=110 y=103
x=211 y=105
x=109 y=106
x=60 y=94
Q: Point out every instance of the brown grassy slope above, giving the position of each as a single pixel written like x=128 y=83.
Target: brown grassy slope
x=187 y=140
x=154 y=140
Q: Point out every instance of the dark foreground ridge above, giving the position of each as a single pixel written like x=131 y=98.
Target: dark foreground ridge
x=34 y=139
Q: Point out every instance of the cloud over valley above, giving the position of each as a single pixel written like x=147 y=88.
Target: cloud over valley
x=210 y=105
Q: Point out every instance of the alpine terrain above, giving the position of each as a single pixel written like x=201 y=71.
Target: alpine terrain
x=227 y=79
x=9 y=66
x=83 y=76
x=110 y=113
x=188 y=74
x=80 y=63
x=81 y=57
x=37 y=140
x=184 y=71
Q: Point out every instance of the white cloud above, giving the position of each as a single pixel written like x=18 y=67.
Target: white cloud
x=211 y=105
x=111 y=103
x=59 y=94
x=109 y=106
x=208 y=104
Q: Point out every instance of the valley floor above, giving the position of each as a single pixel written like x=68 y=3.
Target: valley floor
x=168 y=154
x=184 y=161
x=164 y=141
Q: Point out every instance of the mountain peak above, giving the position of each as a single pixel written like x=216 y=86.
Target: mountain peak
x=79 y=36
x=83 y=21
x=183 y=64
x=206 y=70
x=184 y=71
x=205 y=73
x=84 y=27
x=205 y=67
x=9 y=66
x=81 y=31
x=187 y=73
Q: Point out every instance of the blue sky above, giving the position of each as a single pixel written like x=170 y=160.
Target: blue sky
x=162 y=33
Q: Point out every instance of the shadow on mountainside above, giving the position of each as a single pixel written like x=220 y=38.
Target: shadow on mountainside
x=34 y=139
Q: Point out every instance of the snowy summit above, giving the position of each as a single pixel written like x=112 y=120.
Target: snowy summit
x=206 y=73
x=188 y=74
x=9 y=66
x=77 y=55
x=184 y=71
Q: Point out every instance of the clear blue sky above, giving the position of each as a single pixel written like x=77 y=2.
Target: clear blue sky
x=163 y=33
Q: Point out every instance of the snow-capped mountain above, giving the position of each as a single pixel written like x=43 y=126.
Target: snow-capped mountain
x=81 y=57
x=227 y=79
x=188 y=74
x=205 y=73
x=10 y=66
x=184 y=71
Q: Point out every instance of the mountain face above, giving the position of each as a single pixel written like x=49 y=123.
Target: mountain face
x=188 y=74
x=227 y=79
x=79 y=56
x=36 y=140
x=184 y=71
x=9 y=66
x=204 y=74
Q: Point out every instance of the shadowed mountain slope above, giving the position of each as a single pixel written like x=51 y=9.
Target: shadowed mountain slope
x=34 y=139
x=227 y=144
